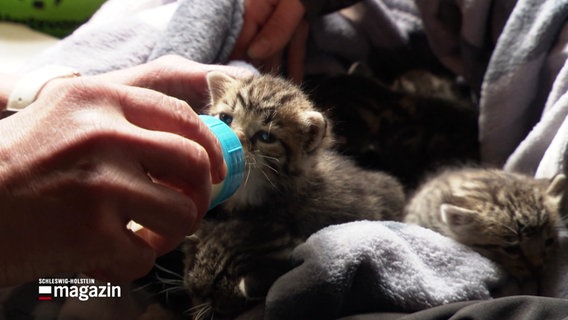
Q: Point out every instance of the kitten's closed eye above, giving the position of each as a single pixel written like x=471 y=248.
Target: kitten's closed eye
x=516 y=214
x=513 y=251
x=511 y=239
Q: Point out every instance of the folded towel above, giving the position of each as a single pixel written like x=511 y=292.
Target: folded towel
x=369 y=266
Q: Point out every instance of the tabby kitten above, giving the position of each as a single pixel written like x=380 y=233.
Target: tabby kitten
x=508 y=217
x=295 y=184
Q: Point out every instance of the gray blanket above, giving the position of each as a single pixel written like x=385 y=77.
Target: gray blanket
x=126 y=34
x=375 y=266
x=524 y=104
x=370 y=266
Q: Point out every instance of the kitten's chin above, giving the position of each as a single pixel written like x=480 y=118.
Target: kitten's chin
x=246 y=197
x=253 y=192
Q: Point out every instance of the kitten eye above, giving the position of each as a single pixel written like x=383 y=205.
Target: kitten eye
x=510 y=239
x=265 y=136
x=227 y=118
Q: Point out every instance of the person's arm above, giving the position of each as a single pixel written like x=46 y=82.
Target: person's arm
x=93 y=153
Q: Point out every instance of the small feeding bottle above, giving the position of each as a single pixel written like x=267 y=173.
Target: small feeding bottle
x=234 y=158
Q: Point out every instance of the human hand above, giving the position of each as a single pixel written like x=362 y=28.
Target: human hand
x=174 y=76
x=93 y=156
x=269 y=28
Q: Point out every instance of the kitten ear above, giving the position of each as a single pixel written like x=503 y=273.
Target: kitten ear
x=457 y=218
x=218 y=82
x=557 y=186
x=316 y=129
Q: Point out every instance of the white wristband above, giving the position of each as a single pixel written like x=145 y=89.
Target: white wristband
x=29 y=86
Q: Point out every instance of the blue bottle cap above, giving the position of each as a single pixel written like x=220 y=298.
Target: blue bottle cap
x=234 y=158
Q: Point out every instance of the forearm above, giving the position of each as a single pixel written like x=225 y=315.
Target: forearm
x=318 y=7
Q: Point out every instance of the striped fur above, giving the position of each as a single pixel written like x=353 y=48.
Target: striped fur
x=295 y=184
x=508 y=217
x=269 y=105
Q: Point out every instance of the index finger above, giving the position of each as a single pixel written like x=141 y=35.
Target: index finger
x=278 y=30
x=175 y=76
x=152 y=110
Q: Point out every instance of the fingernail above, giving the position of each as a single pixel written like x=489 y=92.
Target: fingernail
x=259 y=49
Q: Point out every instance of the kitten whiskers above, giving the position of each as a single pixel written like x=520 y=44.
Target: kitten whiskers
x=200 y=311
x=268 y=179
x=168 y=271
x=249 y=167
x=271 y=168
x=268 y=157
x=251 y=163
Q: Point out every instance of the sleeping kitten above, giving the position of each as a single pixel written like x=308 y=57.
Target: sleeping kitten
x=294 y=185
x=508 y=217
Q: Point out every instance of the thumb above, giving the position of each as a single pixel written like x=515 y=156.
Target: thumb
x=278 y=30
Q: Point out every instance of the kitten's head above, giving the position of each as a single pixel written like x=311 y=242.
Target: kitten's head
x=514 y=222
x=279 y=128
x=210 y=283
x=231 y=269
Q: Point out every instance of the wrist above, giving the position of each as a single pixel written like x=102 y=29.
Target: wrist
x=28 y=87
x=7 y=84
